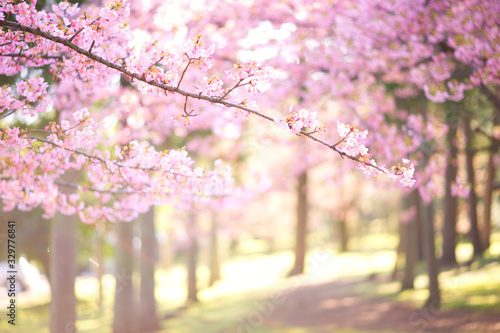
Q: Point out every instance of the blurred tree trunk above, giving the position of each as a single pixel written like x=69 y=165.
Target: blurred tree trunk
x=63 y=267
x=124 y=320
x=301 y=231
x=149 y=255
x=409 y=233
x=450 y=201
x=434 y=299
x=472 y=199
x=100 y=267
x=488 y=192
x=419 y=231
x=167 y=251
x=214 y=251
x=192 y=257
x=343 y=234
x=488 y=195
x=399 y=253
x=428 y=231
x=491 y=170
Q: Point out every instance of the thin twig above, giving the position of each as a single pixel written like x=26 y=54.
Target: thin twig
x=343 y=139
x=230 y=90
x=184 y=72
x=92 y=46
x=76 y=34
x=8 y=114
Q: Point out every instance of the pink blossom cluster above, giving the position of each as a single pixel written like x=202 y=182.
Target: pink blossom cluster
x=300 y=120
x=75 y=136
x=403 y=173
x=31 y=99
x=197 y=51
x=351 y=143
x=84 y=31
x=251 y=74
x=115 y=12
x=211 y=87
x=136 y=177
x=158 y=66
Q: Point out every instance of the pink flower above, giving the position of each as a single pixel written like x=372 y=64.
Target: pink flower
x=196 y=50
x=211 y=87
x=302 y=119
x=404 y=173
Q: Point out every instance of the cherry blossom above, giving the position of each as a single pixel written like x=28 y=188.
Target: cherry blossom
x=91 y=52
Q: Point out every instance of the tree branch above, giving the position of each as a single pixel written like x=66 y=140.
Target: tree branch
x=102 y=160
x=122 y=69
x=20 y=55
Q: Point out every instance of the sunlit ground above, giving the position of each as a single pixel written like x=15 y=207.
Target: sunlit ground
x=251 y=277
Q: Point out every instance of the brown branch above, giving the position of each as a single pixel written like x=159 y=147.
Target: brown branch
x=7 y=114
x=76 y=34
x=122 y=69
x=92 y=46
x=102 y=160
x=20 y=55
x=89 y=189
x=183 y=73
x=231 y=90
x=343 y=139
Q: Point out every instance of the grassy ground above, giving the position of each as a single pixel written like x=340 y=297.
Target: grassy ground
x=251 y=279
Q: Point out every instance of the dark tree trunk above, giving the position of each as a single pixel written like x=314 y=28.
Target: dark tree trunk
x=301 y=231
x=488 y=197
x=426 y=214
x=63 y=249
x=192 y=258
x=409 y=244
x=149 y=252
x=472 y=199
x=434 y=299
x=214 y=252
x=450 y=201
x=491 y=170
x=420 y=237
x=124 y=320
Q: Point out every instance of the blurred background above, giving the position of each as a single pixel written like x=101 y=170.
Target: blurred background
x=307 y=243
